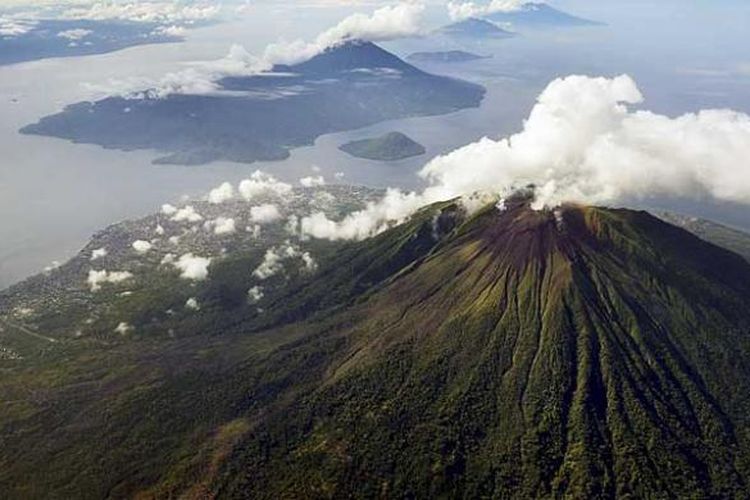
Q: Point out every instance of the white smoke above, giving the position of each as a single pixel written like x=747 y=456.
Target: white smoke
x=581 y=143
x=74 y=34
x=386 y=23
x=273 y=260
x=222 y=193
x=376 y=217
x=464 y=10
x=123 y=328
x=261 y=183
x=192 y=267
x=96 y=279
x=167 y=259
x=198 y=78
x=222 y=225
x=265 y=214
x=255 y=294
x=312 y=181
x=12 y=28
x=144 y=11
x=141 y=246
x=186 y=214
x=168 y=209
x=99 y=253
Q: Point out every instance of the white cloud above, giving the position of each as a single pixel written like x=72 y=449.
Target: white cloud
x=265 y=214
x=187 y=213
x=168 y=209
x=463 y=10
x=312 y=181
x=255 y=294
x=74 y=34
x=271 y=265
x=123 y=328
x=192 y=267
x=96 y=279
x=223 y=225
x=11 y=28
x=376 y=217
x=309 y=262
x=167 y=259
x=220 y=194
x=173 y=31
x=261 y=183
x=292 y=225
x=386 y=23
x=144 y=11
x=141 y=246
x=98 y=253
x=581 y=143
x=199 y=78
x=273 y=260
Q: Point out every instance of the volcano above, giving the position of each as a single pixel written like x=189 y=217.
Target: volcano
x=582 y=352
x=475 y=28
x=540 y=15
x=261 y=117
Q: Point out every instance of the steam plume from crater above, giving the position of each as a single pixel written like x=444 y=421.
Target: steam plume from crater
x=582 y=142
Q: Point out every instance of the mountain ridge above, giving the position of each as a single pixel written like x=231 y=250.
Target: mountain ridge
x=540 y=15
x=348 y=56
x=474 y=27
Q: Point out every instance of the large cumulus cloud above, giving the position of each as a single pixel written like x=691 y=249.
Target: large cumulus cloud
x=582 y=142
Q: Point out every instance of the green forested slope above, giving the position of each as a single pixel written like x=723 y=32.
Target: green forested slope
x=583 y=353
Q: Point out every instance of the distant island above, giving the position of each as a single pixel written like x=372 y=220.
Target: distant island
x=261 y=117
x=389 y=147
x=475 y=28
x=539 y=16
x=70 y=38
x=448 y=56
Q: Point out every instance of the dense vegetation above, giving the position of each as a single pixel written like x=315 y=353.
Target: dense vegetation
x=581 y=353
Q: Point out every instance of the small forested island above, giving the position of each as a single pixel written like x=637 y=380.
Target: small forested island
x=389 y=147
x=448 y=56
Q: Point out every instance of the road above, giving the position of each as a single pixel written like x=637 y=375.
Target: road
x=23 y=329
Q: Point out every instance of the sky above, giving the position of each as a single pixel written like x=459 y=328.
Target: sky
x=683 y=57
